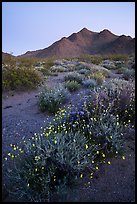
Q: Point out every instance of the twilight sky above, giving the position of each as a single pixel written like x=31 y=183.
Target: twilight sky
x=29 y=26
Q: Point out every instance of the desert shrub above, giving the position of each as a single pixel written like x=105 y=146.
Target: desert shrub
x=95 y=59
x=107 y=131
x=58 y=69
x=101 y=128
x=119 y=64
x=83 y=71
x=129 y=74
x=108 y=64
x=116 y=57
x=72 y=85
x=99 y=77
x=26 y=62
x=51 y=99
x=89 y=83
x=20 y=79
x=71 y=67
x=9 y=62
x=48 y=62
x=45 y=66
x=82 y=65
x=74 y=77
x=120 y=95
x=98 y=68
x=45 y=71
x=121 y=70
x=48 y=163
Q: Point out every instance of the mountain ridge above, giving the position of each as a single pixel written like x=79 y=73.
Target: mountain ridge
x=86 y=42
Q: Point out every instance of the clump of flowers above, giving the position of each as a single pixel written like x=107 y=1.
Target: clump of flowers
x=48 y=162
x=121 y=94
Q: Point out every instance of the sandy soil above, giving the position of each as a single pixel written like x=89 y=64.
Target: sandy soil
x=21 y=118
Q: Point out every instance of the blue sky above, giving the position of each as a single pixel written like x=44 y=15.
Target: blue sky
x=36 y=25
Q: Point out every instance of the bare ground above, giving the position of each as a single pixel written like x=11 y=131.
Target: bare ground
x=21 y=118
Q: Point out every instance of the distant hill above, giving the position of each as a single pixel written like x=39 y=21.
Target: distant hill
x=86 y=42
x=4 y=54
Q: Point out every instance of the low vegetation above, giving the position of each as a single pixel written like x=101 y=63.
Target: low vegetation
x=80 y=137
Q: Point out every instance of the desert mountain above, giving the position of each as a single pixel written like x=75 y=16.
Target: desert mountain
x=4 y=54
x=86 y=42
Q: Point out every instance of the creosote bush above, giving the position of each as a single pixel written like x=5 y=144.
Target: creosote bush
x=20 y=79
x=51 y=99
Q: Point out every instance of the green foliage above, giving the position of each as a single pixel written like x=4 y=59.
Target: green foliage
x=72 y=85
x=74 y=77
x=51 y=99
x=20 y=79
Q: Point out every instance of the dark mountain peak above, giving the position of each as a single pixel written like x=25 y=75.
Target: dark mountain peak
x=73 y=37
x=124 y=37
x=84 y=30
x=105 y=32
x=63 y=39
x=28 y=52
